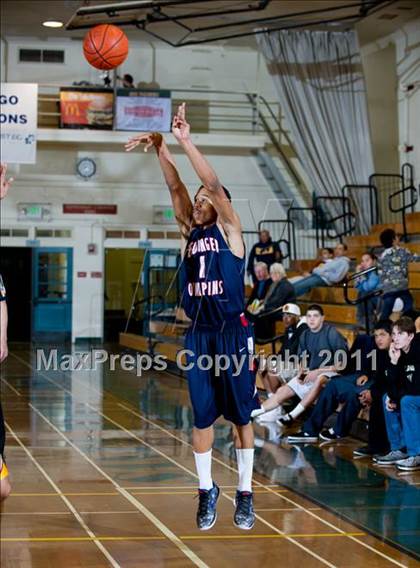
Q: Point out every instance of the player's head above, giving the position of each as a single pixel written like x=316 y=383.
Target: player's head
x=382 y=332
x=315 y=317
x=203 y=212
x=403 y=332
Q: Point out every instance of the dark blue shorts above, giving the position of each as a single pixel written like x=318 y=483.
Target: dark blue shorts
x=228 y=392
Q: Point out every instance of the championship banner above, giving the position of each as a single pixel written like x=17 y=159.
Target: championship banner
x=142 y=110
x=86 y=108
x=18 y=122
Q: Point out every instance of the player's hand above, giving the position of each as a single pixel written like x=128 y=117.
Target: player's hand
x=4 y=183
x=4 y=351
x=362 y=380
x=150 y=140
x=394 y=353
x=180 y=127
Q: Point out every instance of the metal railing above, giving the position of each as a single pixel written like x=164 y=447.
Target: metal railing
x=363 y=299
x=407 y=174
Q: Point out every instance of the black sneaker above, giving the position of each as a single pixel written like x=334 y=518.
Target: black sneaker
x=301 y=438
x=206 y=514
x=363 y=452
x=244 y=517
x=285 y=420
x=329 y=435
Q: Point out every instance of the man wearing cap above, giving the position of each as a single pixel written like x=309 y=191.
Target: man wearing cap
x=294 y=327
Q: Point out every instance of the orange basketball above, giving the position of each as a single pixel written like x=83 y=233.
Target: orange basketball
x=105 y=46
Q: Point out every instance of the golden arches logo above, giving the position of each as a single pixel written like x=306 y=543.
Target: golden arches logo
x=71 y=109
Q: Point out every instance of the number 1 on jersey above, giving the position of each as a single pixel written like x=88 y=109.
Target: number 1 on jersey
x=202 y=273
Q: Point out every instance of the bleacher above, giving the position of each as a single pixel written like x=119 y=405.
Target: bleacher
x=167 y=338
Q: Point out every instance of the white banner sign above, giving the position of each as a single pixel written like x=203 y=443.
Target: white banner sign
x=18 y=122
x=151 y=112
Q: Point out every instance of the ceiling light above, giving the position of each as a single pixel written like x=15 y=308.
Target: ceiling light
x=52 y=24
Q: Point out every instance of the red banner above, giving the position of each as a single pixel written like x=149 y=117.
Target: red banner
x=90 y=209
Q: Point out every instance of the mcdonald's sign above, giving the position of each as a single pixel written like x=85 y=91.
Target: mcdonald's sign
x=86 y=108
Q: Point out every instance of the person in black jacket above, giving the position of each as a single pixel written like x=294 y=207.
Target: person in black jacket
x=264 y=251
x=279 y=293
x=402 y=401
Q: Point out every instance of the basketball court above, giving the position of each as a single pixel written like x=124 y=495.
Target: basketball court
x=100 y=453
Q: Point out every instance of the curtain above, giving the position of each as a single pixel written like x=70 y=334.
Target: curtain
x=319 y=80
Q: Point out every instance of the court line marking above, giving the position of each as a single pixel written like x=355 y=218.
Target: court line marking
x=79 y=519
x=148 y=514
x=274 y=528
x=248 y=536
x=216 y=459
x=269 y=490
x=311 y=513
x=131 y=434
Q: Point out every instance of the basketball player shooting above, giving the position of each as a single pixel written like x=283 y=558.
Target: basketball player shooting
x=212 y=277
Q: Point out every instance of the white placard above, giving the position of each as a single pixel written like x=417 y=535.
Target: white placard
x=18 y=122
x=143 y=113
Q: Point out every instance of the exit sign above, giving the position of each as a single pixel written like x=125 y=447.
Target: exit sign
x=163 y=215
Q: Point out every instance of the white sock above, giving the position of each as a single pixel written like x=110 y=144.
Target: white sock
x=203 y=467
x=298 y=409
x=257 y=412
x=245 y=460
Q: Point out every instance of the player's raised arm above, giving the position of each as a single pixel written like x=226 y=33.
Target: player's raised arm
x=4 y=183
x=180 y=199
x=227 y=215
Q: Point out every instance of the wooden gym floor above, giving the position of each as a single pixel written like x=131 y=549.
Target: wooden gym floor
x=103 y=475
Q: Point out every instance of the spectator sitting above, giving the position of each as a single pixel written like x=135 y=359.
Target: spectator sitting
x=273 y=378
x=354 y=391
x=329 y=274
x=265 y=251
x=365 y=285
x=314 y=343
x=261 y=286
x=402 y=401
x=279 y=293
x=393 y=273
x=327 y=254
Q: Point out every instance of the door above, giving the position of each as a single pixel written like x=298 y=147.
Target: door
x=52 y=292
x=16 y=270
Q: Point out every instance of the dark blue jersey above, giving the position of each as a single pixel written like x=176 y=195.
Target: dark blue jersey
x=212 y=279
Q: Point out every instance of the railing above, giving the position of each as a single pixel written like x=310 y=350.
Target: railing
x=350 y=191
x=326 y=225
x=363 y=299
x=407 y=174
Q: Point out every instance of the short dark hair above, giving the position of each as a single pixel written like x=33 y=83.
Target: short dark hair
x=227 y=192
x=315 y=307
x=384 y=324
x=368 y=253
x=387 y=238
x=329 y=249
x=405 y=324
x=127 y=77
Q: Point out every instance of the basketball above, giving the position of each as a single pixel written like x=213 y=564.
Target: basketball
x=105 y=46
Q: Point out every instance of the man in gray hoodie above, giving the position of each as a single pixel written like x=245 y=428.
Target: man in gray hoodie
x=327 y=275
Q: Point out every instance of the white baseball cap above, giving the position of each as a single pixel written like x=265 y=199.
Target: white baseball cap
x=292 y=309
